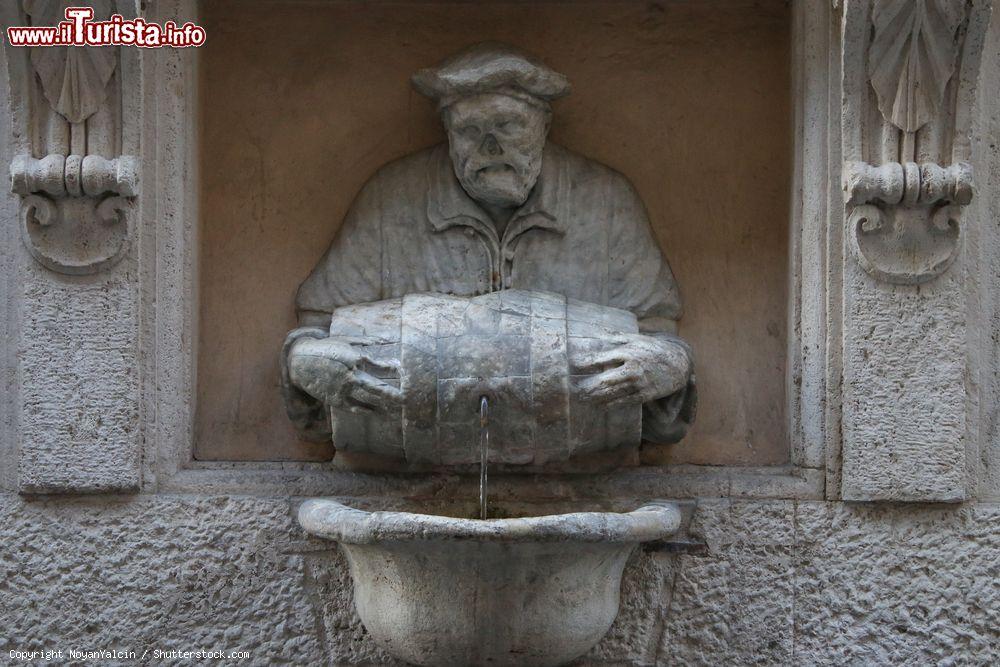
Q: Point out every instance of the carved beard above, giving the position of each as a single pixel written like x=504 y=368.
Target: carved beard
x=504 y=181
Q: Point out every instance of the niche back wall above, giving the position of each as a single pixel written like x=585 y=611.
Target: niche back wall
x=301 y=102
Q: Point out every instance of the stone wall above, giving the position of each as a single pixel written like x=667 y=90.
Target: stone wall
x=782 y=583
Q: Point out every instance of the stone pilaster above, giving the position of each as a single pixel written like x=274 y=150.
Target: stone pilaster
x=908 y=83
x=74 y=121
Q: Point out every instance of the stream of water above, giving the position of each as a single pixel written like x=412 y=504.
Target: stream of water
x=484 y=448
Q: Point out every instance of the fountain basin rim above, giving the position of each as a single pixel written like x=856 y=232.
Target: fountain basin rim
x=335 y=521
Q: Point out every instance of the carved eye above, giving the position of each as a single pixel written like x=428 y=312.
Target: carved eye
x=468 y=132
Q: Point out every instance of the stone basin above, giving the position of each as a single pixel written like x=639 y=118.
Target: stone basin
x=438 y=590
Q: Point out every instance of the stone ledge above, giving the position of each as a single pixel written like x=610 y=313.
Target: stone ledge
x=304 y=479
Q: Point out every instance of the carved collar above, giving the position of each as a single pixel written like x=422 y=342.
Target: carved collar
x=448 y=205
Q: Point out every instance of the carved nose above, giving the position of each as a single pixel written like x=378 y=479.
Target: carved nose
x=491 y=146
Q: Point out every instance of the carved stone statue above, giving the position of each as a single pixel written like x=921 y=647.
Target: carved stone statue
x=497 y=208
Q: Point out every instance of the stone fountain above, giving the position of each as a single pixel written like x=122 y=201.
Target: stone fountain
x=436 y=590
x=496 y=302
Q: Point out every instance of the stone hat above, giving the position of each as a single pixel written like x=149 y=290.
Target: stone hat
x=491 y=67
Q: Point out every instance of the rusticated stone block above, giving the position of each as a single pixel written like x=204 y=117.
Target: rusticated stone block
x=79 y=390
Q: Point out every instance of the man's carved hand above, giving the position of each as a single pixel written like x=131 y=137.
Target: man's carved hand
x=330 y=369
x=638 y=369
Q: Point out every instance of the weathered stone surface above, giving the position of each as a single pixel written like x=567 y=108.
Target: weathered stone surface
x=79 y=392
x=646 y=589
x=897 y=586
x=904 y=393
x=986 y=157
x=171 y=573
x=734 y=606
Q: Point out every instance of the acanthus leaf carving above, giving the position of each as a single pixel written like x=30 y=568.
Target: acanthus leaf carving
x=74 y=80
x=906 y=176
x=912 y=57
x=76 y=210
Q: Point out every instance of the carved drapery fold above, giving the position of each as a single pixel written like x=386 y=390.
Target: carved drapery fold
x=76 y=208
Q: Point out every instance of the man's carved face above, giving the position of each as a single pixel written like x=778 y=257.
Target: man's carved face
x=496 y=146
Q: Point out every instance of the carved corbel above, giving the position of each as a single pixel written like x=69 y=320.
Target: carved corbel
x=903 y=225
x=101 y=189
x=76 y=207
x=904 y=196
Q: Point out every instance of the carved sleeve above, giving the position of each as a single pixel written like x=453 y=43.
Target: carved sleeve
x=350 y=272
x=641 y=281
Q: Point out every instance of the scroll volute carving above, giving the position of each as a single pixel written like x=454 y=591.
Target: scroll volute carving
x=906 y=176
x=905 y=219
x=76 y=210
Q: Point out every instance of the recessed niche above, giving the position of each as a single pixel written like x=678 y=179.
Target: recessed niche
x=300 y=103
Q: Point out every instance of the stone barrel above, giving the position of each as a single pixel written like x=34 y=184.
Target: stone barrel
x=515 y=347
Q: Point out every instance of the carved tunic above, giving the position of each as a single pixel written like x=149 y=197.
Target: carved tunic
x=583 y=232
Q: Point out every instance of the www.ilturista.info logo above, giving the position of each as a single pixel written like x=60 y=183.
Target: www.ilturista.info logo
x=79 y=29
